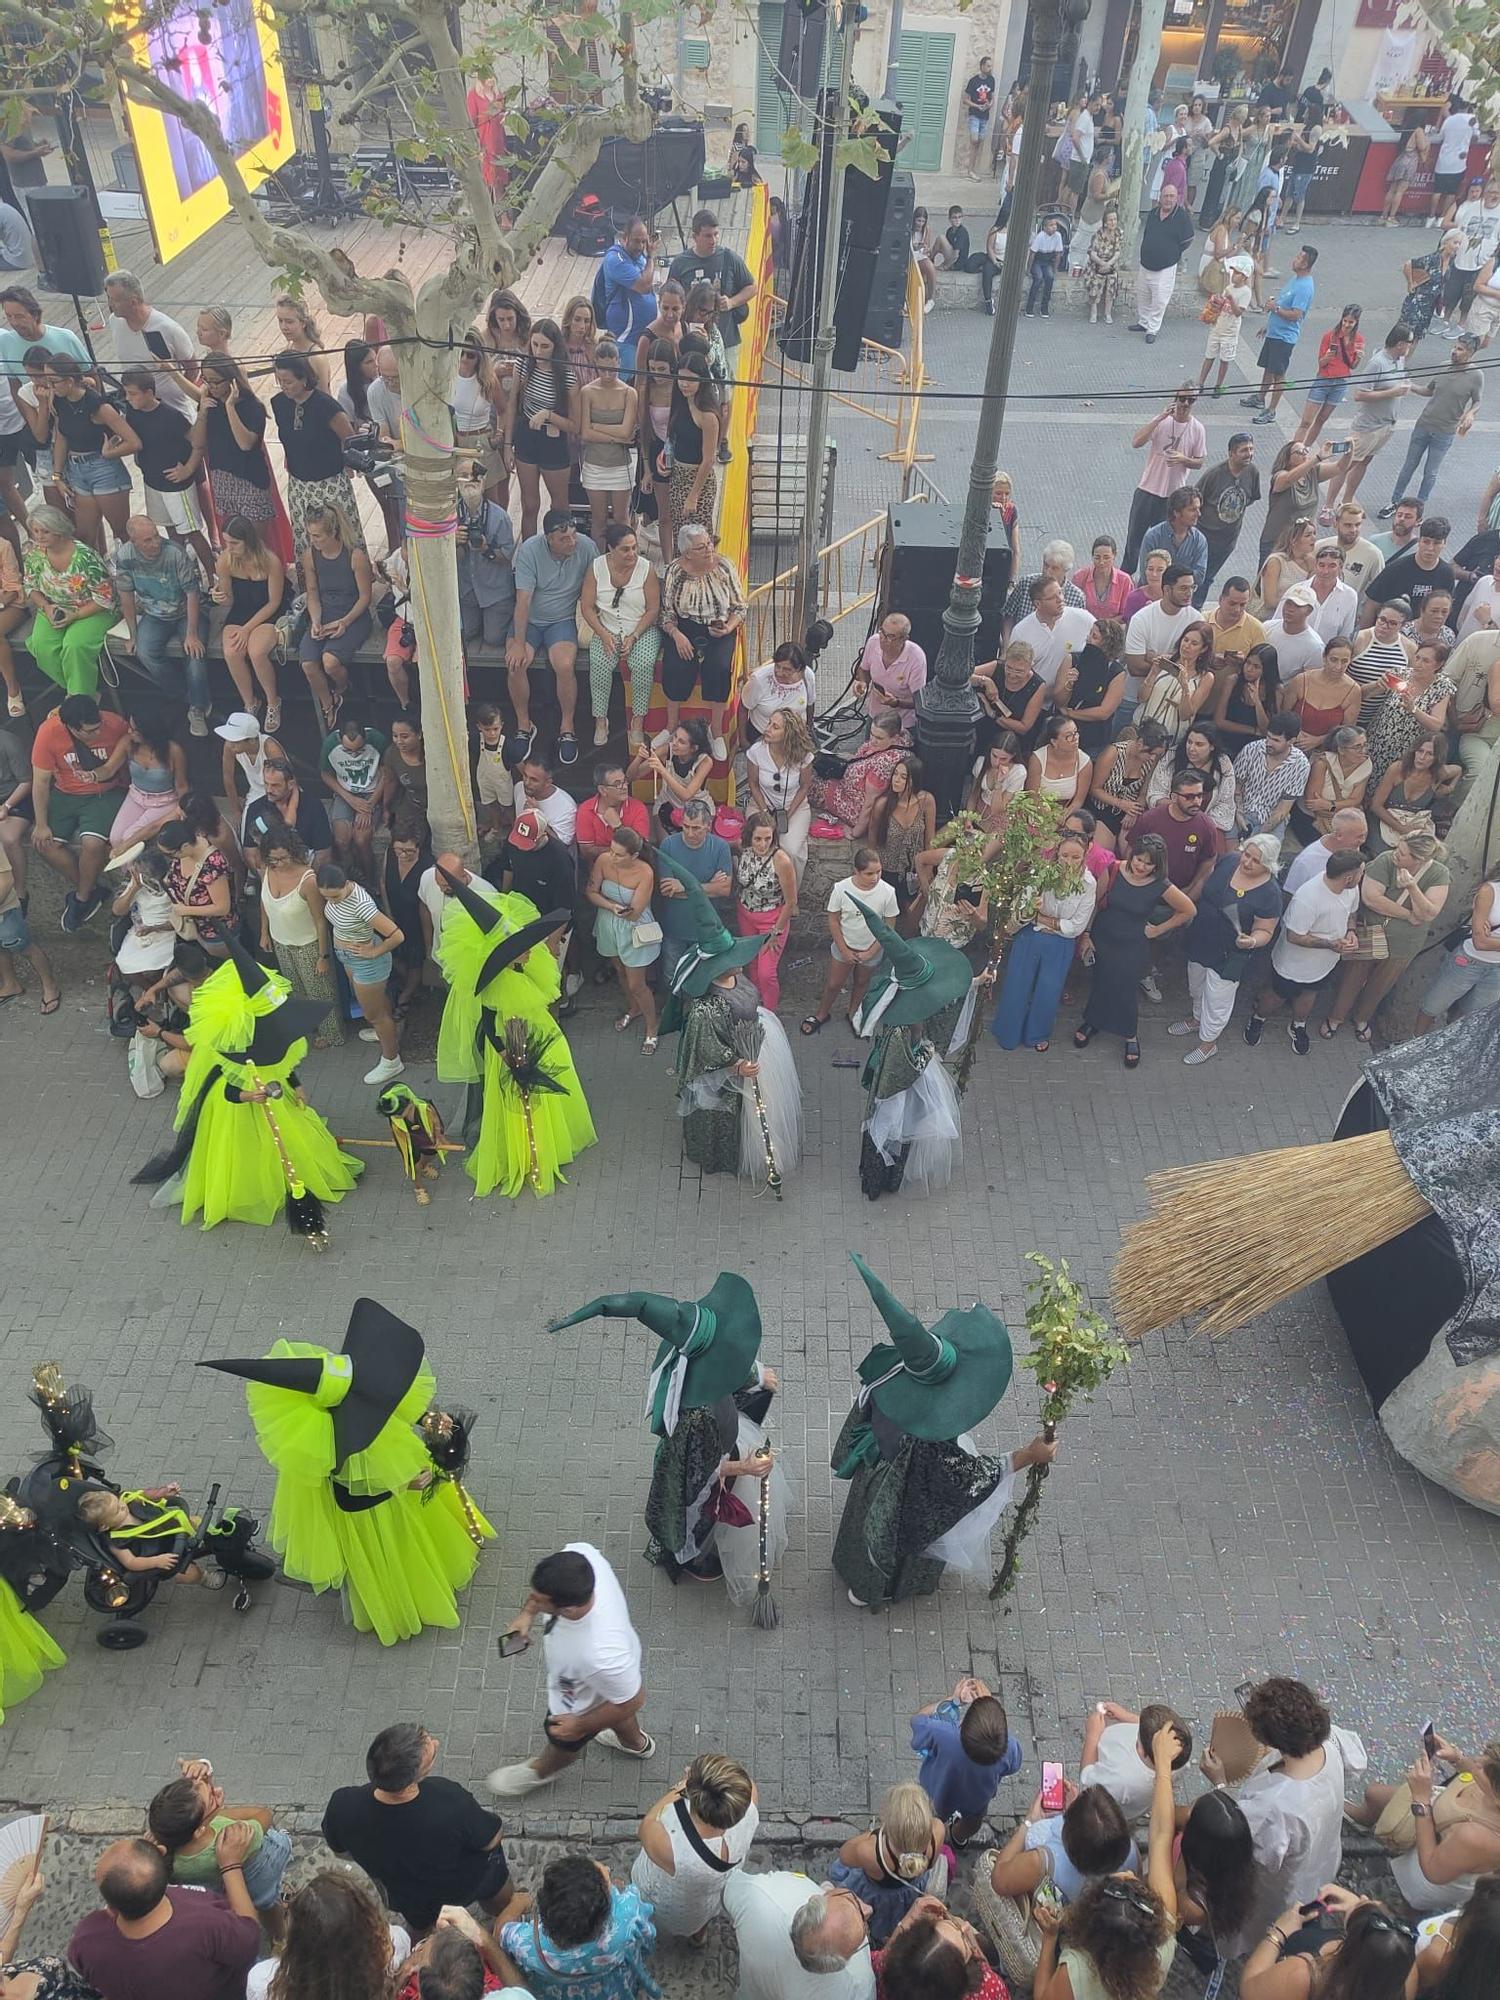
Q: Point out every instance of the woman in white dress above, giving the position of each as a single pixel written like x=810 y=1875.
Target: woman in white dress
x=692 y=1840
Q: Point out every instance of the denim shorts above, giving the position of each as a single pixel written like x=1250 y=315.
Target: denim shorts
x=266 y=1866
x=340 y=811
x=1323 y=391
x=1453 y=981
x=364 y=971
x=14 y=935
x=91 y=472
x=545 y=637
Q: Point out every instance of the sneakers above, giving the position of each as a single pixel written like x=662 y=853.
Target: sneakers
x=1255 y=1027
x=1265 y=417
x=567 y=748
x=1182 y=1028
x=989 y=306
x=612 y=1742
x=1137 y=326
x=1251 y=403
x=927 y=308
x=518 y=747
x=386 y=1070
x=76 y=911
x=1151 y=340
x=1201 y=1055
x=1150 y=988
x=369 y=1035
x=1386 y=512
x=1297 y=1035
x=725 y=455
x=514 y=1781
x=573 y=984
x=198 y=721
x=719 y=750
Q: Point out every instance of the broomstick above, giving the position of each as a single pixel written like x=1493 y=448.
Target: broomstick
x=304 y=1211
x=765 y=1613
x=1260 y=1249
x=744 y=1040
x=523 y=1050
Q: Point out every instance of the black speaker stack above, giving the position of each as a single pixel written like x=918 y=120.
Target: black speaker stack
x=67 y=240
x=868 y=293
x=921 y=555
x=799 y=60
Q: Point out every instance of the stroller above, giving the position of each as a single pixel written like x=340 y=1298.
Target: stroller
x=52 y=1489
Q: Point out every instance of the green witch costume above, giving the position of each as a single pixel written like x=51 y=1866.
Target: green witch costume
x=368 y=1498
x=911 y=1133
x=238 y=1158
x=751 y=1125
x=525 y=1114
x=920 y=1495
x=706 y=1403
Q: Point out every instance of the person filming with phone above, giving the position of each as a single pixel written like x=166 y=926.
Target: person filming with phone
x=593 y=1660
x=1442 y=1831
x=1337 y=1946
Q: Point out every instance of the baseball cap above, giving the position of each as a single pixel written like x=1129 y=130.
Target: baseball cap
x=239 y=727
x=1302 y=593
x=529 y=831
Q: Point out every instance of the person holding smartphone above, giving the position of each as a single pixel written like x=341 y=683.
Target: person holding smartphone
x=1454 y=1822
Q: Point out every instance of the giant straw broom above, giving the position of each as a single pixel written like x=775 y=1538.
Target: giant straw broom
x=1260 y=1245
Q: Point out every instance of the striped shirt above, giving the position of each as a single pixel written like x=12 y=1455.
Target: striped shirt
x=349 y=917
x=1369 y=668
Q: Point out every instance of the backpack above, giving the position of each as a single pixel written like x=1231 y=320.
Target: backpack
x=599 y=296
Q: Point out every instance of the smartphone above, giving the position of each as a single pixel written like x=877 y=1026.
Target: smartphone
x=1243 y=1692
x=511 y=1643
x=1312 y=1909
x=1053 y=1796
x=1429 y=1739
x=1340 y=448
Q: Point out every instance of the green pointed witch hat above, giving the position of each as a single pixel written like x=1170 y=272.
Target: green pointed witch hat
x=918 y=977
x=708 y=1345
x=714 y=950
x=935 y=1382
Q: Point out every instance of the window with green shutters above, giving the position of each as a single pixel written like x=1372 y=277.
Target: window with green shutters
x=775 y=108
x=926 y=81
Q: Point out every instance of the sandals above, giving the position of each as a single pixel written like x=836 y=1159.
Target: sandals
x=1329 y=1028
x=624 y=1022
x=273 y=719
x=648 y=1045
x=1363 y=1031
x=814 y=1024
x=329 y=714
x=1082 y=1036
x=15 y=704
x=1132 y=1057
x=1041 y=1048
x=48 y=1006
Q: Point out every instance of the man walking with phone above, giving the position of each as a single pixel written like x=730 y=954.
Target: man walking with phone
x=593 y=1659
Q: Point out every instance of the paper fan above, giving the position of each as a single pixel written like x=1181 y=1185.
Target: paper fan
x=20 y=1851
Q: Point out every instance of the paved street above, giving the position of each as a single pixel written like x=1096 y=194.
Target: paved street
x=1224 y=1510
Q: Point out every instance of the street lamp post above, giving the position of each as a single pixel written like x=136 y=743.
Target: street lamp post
x=947 y=707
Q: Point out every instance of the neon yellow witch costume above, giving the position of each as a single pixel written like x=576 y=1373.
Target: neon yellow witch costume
x=238 y=1158
x=27 y=1556
x=362 y=1503
x=498 y=1038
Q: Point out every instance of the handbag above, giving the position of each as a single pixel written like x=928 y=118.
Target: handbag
x=187 y=927
x=729 y=824
x=143 y=1066
x=645 y=931
x=1452 y=1804
x=1062 y=152
x=839 y=734
x=1373 y=944
x=1010 y=1923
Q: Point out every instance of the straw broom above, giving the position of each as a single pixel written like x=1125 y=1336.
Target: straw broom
x=765 y=1613
x=1260 y=1248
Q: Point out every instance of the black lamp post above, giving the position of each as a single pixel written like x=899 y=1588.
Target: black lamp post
x=947 y=707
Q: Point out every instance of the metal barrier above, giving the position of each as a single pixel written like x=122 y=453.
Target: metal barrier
x=848 y=581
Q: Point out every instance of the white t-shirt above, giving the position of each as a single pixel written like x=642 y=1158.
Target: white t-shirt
x=1296 y=652
x=597 y=1657
x=881 y=899
x=1154 y=629
x=1484 y=595
x=1481 y=227
x=1316 y=911
x=560 y=811
x=1049 y=643
x=432 y=899
x=1309 y=863
x=1455 y=136
x=258 y=1979
x=763 y=694
x=1297 y=1826
x=1118 y=1770
x=1083 y=137
x=143 y=349
x=761 y=1908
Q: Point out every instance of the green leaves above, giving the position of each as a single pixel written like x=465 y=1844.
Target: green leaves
x=798 y=153
x=1073 y=1351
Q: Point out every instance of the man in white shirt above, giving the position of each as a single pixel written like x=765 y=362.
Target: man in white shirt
x=1347 y=832
x=537 y=788
x=798 y=1939
x=851 y=941
x=783 y=682
x=1455 y=136
x=593 y=1660
x=1053 y=630
x=1156 y=628
x=1299 y=647
x=142 y=335
x=1336 y=613
x=1317 y=934
x=383 y=397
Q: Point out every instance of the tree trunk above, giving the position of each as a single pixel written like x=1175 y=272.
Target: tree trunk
x=431 y=550
x=1133 y=155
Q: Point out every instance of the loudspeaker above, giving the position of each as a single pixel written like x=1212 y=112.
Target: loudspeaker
x=67 y=239
x=799 y=60
x=921 y=555
x=878 y=275
x=866 y=204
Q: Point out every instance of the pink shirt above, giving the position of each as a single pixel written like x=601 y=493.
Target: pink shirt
x=1112 y=605
x=1173 y=434
x=899 y=680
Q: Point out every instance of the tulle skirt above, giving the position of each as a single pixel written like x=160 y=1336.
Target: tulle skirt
x=234 y=1171
x=514 y=1152
x=924 y=1118
x=26 y=1651
x=781 y=1097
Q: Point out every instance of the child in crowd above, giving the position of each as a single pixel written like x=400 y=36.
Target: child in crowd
x=966 y=1748
x=144 y=1531
x=1228 y=308
x=1049 y=247
x=901 y=1858
x=1117 y=1752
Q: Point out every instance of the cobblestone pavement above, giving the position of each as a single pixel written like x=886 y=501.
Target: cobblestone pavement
x=1224 y=1510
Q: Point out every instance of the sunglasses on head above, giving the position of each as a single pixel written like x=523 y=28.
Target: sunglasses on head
x=1117 y=1890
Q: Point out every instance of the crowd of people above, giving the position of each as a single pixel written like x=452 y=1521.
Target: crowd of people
x=1094 y=1891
